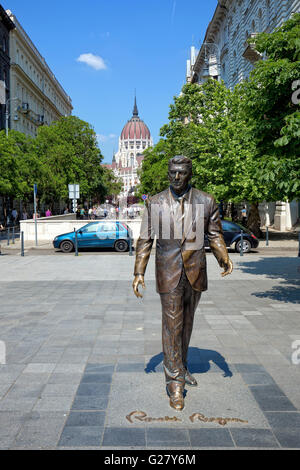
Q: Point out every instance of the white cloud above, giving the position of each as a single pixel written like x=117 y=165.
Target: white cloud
x=94 y=61
x=105 y=138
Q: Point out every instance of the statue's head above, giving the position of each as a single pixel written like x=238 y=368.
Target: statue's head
x=179 y=173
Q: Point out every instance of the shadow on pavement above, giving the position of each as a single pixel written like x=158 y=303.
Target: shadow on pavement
x=284 y=269
x=198 y=361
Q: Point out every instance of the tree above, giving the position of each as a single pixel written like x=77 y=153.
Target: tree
x=69 y=152
x=112 y=186
x=272 y=109
x=206 y=125
x=20 y=167
x=153 y=173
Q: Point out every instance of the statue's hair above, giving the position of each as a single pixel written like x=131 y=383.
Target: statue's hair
x=181 y=160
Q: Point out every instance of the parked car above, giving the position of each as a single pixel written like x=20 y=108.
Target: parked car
x=232 y=237
x=102 y=234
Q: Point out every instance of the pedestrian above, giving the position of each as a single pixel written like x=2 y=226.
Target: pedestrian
x=24 y=215
x=82 y=213
x=131 y=212
x=244 y=216
x=48 y=213
x=14 y=214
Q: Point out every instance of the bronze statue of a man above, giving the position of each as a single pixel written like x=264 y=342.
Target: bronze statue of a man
x=180 y=265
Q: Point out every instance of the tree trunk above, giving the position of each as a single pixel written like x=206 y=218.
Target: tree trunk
x=253 y=222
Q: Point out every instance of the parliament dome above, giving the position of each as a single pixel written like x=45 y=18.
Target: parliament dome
x=135 y=128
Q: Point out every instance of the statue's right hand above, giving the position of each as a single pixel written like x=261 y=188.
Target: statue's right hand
x=138 y=279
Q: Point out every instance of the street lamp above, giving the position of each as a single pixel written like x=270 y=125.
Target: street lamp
x=7 y=114
x=206 y=60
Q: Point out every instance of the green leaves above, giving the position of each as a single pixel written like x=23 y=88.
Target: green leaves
x=62 y=153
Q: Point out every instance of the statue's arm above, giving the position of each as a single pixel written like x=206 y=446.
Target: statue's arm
x=216 y=240
x=143 y=249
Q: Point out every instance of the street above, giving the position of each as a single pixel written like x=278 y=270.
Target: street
x=83 y=356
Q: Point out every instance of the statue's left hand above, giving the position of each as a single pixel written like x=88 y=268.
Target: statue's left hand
x=138 y=279
x=228 y=267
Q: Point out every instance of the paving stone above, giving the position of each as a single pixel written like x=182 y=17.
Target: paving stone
x=90 y=403
x=210 y=438
x=288 y=437
x=254 y=438
x=80 y=436
x=93 y=389
x=96 y=378
x=163 y=436
x=86 y=418
x=284 y=419
x=124 y=437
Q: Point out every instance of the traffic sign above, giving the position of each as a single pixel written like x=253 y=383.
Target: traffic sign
x=74 y=191
x=74 y=203
x=144 y=197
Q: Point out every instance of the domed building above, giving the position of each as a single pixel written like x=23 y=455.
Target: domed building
x=134 y=139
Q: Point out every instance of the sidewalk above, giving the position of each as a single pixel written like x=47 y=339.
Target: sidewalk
x=84 y=360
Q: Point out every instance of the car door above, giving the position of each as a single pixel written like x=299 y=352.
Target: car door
x=107 y=234
x=87 y=236
x=228 y=234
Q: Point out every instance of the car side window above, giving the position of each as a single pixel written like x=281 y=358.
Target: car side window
x=90 y=228
x=226 y=226
x=108 y=228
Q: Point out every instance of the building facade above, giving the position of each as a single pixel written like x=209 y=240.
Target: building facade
x=37 y=98
x=134 y=139
x=226 y=55
x=6 y=25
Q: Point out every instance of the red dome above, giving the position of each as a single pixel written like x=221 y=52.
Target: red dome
x=135 y=129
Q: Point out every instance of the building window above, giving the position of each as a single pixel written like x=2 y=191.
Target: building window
x=260 y=21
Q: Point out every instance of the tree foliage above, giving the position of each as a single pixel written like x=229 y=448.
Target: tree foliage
x=272 y=109
x=206 y=124
x=64 y=152
x=244 y=143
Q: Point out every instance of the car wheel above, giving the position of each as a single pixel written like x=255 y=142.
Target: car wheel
x=66 y=246
x=246 y=246
x=121 y=245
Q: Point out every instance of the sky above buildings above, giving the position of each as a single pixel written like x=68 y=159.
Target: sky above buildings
x=102 y=50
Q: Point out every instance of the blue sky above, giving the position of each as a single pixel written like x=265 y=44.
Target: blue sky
x=140 y=45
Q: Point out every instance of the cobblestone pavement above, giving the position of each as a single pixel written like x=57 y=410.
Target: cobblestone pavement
x=84 y=363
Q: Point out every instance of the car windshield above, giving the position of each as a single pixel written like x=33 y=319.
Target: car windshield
x=245 y=229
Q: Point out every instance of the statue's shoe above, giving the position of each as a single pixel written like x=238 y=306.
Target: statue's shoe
x=190 y=379
x=177 y=401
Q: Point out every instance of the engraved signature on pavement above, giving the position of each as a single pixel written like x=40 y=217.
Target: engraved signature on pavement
x=142 y=416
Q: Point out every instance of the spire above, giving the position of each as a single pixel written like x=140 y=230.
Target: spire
x=135 y=110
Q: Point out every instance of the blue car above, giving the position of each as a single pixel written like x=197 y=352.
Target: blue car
x=110 y=234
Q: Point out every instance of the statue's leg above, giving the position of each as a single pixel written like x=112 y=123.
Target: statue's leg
x=191 y=300
x=172 y=324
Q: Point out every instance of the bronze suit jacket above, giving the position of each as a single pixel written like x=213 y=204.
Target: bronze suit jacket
x=172 y=254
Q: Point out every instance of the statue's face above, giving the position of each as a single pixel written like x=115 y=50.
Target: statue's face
x=179 y=177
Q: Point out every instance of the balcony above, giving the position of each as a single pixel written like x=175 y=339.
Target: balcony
x=250 y=53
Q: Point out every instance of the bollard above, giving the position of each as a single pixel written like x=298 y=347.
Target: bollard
x=22 y=243
x=8 y=232
x=13 y=235
x=242 y=244
x=130 y=245
x=267 y=236
x=299 y=246
x=76 y=243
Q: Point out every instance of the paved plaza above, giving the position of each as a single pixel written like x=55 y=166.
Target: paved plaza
x=83 y=362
